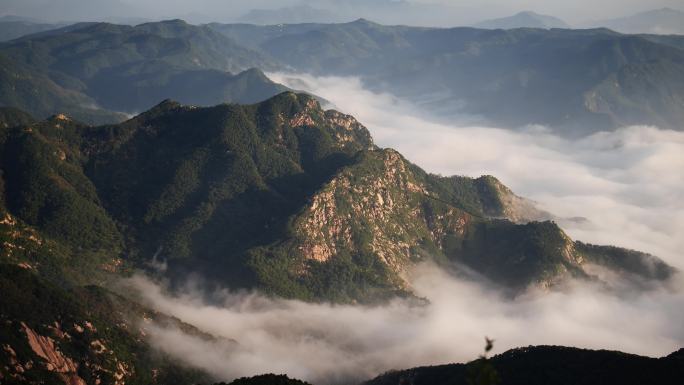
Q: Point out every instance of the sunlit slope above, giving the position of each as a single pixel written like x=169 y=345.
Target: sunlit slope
x=88 y=70
x=281 y=196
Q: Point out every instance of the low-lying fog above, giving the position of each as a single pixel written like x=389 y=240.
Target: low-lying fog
x=627 y=184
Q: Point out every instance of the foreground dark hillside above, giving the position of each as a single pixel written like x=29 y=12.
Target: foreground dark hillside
x=78 y=336
x=266 y=379
x=543 y=365
x=534 y=365
x=281 y=196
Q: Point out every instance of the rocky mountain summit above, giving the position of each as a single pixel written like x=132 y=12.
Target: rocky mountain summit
x=282 y=196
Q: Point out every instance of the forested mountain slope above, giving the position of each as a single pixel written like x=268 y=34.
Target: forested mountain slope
x=576 y=81
x=282 y=196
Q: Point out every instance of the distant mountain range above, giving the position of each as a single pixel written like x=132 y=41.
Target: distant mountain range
x=291 y=15
x=12 y=28
x=664 y=21
x=524 y=19
x=98 y=71
x=575 y=81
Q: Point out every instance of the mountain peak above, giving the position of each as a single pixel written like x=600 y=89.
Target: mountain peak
x=524 y=19
x=174 y=22
x=168 y=104
x=168 y=22
x=362 y=21
x=164 y=106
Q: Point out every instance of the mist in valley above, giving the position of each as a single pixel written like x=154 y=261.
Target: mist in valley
x=621 y=188
x=328 y=344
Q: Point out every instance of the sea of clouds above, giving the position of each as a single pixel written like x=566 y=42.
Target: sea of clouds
x=627 y=185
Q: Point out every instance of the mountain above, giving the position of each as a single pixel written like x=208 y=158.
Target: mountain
x=38 y=93
x=90 y=70
x=73 y=9
x=675 y=41
x=82 y=335
x=550 y=365
x=12 y=29
x=279 y=196
x=575 y=81
x=282 y=196
x=524 y=19
x=665 y=21
x=290 y=15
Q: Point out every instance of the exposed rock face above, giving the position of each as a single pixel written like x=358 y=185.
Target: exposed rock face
x=346 y=130
x=55 y=361
x=378 y=206
x=303 y=117
x=385 y=203
x=385 y=207
x=15 y=370
x=49 y=335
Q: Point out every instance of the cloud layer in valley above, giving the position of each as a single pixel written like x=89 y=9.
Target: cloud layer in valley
x=327 y=344
x=627 y=185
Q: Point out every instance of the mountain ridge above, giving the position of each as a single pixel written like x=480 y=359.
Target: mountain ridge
x=89 y=70
x=664 y=21
x=576 y=82
x=524 y=19
x=282 y=196
x=549 y=364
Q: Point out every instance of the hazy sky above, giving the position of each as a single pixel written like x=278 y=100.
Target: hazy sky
x=458 y=12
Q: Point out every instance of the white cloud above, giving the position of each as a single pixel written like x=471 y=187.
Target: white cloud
x=326 y=344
